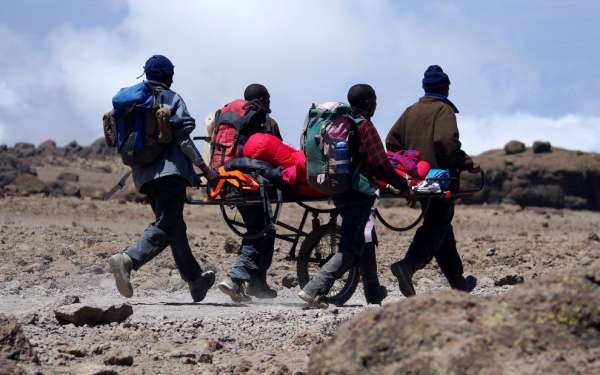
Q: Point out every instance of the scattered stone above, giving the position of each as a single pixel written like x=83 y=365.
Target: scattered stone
x=205 y=358
x=75 y=352
x=94 y=369
x=540 y=147
x=510 y=280
x=80 y=314
x=594 y=237
x=514 y=147
x=14 y=345
x=491 y=252
x=69 y=300
x=289 y=281
x=231 y=246
x=118 y=358
x=211 y=345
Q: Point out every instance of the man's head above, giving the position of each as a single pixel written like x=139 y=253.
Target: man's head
x=159 y=68
x=436 y=81
x=256 y=91
x=362 y=99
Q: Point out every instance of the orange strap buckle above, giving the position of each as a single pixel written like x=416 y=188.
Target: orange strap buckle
x=240 y=180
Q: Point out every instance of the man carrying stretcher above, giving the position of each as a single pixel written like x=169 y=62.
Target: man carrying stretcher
x=367 y=162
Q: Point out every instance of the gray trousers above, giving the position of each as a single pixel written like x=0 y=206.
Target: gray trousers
x=167 y=198
x=355 y=209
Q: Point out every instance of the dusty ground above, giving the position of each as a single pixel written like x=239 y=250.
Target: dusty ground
x=56 y=247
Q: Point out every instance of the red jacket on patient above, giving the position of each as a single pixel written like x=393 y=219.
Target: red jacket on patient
x=272 y=150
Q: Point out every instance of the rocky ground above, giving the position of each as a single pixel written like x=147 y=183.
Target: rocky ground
x=56 y=234
x=54 y=252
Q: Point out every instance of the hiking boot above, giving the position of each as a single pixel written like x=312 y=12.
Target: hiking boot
x=375 y=295
x=317 y=301
x=260 y=289
x=201 y=285
x=234 y=290
x=404 y=276
x=464 y=284
x=121 y=266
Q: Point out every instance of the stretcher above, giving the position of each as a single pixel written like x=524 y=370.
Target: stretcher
x=314 y=239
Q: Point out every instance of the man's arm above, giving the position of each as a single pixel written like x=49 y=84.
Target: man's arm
x=394 y=141
x=447 y=144
x=373 y=158
x=273 y=127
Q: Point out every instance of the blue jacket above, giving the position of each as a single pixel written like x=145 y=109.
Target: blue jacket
x=172 y=161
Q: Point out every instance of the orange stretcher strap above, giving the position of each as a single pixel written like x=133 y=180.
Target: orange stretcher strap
x=240 y=180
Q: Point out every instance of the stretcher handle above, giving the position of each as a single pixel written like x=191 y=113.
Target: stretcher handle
x=479 y=188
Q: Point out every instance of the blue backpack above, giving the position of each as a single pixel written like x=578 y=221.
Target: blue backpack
x=141 y=124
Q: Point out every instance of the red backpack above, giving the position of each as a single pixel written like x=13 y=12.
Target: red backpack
x=228 y=137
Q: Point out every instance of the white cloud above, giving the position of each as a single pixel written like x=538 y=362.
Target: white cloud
x=570 y=131
x=303 y=51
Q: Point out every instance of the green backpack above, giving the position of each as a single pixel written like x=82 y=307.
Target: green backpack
x=326 y=140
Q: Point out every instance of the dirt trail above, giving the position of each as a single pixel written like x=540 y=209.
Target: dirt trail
x=55 y=247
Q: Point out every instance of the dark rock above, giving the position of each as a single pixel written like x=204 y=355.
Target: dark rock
x=68 y=177
x=72 y=148
x=535 y=327
x=538 y=195
x=514 y=147
x=3 y=147
x=594 y=237
x=118 y=358
x=231 y=246
x=540 y=147
x=28 y=184
x=99 y=149
x=24 y=146
x=510 y=280
x=289 y=281
x=13 y=343
x=80 y=314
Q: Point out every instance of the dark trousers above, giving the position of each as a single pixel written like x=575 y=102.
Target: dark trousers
x=167 y=197
x=355 y=209
x=256 y=255
x=435 y=239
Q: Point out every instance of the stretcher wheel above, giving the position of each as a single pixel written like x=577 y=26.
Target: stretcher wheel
x=233 y=219
x=318 y=247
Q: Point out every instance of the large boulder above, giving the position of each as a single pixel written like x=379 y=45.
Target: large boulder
x=514 y=147
x=550 y=326
x=14 y=346
x=540 y=147
x=561 y=179
x=81 y=314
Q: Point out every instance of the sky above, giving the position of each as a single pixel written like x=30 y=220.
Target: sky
x=519 y=70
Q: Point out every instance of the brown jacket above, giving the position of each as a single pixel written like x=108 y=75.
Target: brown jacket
x=429 y=126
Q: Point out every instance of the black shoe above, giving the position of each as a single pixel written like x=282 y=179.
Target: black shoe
x=464 y=284
x=404 y=276
x=200 y=286
x=260 y=289
x=375 y=295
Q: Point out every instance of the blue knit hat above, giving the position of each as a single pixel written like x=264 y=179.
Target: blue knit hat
x=435 y=77
x=159 y=68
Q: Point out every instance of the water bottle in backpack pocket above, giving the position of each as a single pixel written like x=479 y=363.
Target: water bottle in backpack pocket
x=325 y=142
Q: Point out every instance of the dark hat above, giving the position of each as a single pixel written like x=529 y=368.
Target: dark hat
x=435 y=77
x=159 y=68
x=256 y=91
